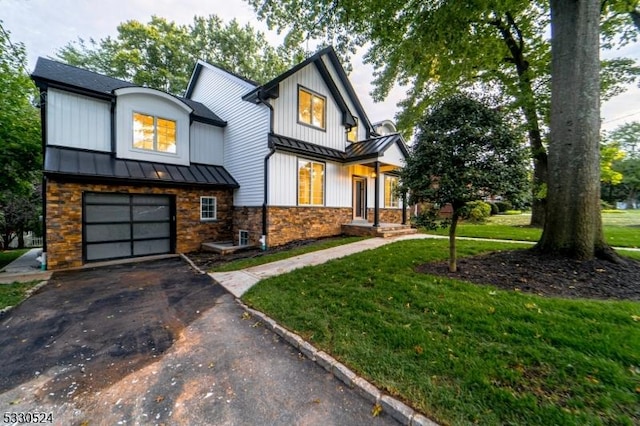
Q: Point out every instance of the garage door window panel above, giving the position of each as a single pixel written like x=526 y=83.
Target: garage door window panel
x=126 y=225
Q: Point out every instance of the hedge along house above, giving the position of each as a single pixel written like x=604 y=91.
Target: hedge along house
x=128 y=171
x=309 y=162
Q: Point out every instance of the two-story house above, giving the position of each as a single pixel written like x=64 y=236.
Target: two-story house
x=303 y=150
x=131 y=171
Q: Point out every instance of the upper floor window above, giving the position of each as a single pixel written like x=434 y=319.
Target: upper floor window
x=310 y=183
x=311 y=108
x=154 y=133
x=390 y=191
x=352 y=134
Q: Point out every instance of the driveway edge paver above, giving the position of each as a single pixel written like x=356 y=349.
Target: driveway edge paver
x=394 y=407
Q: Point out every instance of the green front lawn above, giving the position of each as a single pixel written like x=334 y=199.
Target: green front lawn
x=8 y=256
x=13 y=294
x=621 y=229
x=459 y=352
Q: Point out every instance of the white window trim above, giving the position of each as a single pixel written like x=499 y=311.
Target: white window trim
x=215 y=209
x=391 y=195
x=240 y=237
x=324 y=184
x=155 y=149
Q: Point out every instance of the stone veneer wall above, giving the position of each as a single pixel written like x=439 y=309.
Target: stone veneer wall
x=64 y=218
x=247 y=219
x=288 y=224
x=387 y=216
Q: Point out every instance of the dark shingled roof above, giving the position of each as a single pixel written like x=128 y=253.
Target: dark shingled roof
x=103 y=166
x=368 y=149
x=48 y=71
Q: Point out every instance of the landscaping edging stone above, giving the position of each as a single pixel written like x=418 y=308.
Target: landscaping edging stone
x=4 y=311
x=395 y=408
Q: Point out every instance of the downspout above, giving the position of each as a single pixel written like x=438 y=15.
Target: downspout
x=376 y=197
x=114 y=148
x=43 y=132
x=272 y=150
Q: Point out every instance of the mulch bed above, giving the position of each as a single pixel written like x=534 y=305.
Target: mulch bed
x=528 y=271
x=207 y=260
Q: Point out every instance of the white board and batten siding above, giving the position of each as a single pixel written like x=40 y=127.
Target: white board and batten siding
x=77 y=121
x=246 y=133
x=283 y=182
x=393 y=156
x=362 y=131
x=286 y=111
x=207 y=144
x=152 y=102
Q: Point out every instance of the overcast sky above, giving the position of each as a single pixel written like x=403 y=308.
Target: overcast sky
x=44 y=26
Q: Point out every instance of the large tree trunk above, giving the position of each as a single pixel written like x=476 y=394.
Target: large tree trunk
x=453 y=256
x=573 y=224
x=512 y=36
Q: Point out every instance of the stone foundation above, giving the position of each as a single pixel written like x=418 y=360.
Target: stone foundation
x=387 y=215
x=288 y=224
x=64 y=218
x=247 y=219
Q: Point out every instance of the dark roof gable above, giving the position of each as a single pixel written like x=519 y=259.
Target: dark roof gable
x=270 y=89
x=57 y=74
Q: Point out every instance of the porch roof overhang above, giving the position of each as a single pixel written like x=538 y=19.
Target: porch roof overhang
x=365 y=152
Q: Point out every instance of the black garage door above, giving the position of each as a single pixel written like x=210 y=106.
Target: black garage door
x=117 y=226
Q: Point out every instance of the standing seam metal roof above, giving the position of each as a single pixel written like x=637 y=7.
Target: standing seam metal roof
x=102 y=165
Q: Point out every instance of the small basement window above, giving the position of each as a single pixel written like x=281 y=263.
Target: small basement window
x=208 y=208
x=243 y=238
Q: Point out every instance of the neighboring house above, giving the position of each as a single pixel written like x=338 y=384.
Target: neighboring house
x=303 y=150
x=131 y=171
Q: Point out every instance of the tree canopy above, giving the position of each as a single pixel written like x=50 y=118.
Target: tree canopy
x=161 y=54
x=464 y=151
x=20 y=144
x=20 y=152
x=438 y=48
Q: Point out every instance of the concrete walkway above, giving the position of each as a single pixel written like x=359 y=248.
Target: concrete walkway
x=239 y=282
x=25 y=268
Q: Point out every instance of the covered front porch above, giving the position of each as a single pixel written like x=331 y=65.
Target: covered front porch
x=374 y=166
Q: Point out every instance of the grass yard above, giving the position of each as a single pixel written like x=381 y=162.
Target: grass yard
x=13 y=294
x=8 y=256
x=274 y=256
x=621 y=229
x=462 y=353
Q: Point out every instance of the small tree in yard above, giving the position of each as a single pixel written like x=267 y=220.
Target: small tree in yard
x=463 y=152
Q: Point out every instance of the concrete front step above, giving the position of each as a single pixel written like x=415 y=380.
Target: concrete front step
x=389 y=233
x=222 y=247
x=385 y=230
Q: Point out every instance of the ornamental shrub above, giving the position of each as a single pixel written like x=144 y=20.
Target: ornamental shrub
x=476 y=211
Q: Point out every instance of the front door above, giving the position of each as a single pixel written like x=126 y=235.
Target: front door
x=359 y=198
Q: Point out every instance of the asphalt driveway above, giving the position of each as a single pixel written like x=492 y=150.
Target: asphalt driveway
x=157 y=343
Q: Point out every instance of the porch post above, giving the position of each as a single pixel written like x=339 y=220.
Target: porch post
x=404 y=208
x=376 y=197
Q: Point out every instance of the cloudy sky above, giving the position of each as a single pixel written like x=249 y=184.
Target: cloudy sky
x=44 y=26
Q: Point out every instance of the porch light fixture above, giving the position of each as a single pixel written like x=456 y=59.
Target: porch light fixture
x=373 y=175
